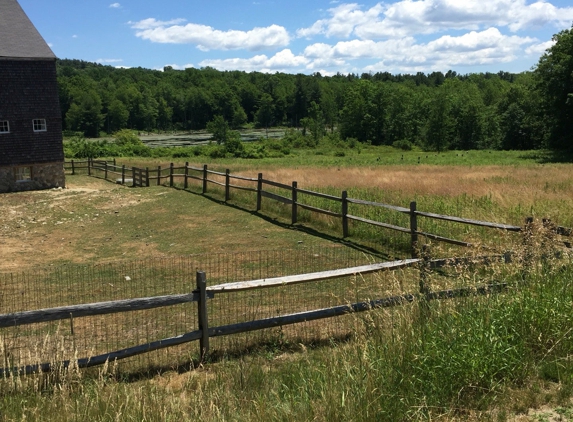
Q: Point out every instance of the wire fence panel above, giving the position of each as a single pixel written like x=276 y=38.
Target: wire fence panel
x=90 y=336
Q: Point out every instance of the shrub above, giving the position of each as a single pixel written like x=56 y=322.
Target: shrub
x=403 y=144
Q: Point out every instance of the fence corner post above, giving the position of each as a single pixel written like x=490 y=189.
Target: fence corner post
x=414 y=229
x=344 y=213
x=205 y=178
x=227 y=185
x=259 y=191
x=202 y=313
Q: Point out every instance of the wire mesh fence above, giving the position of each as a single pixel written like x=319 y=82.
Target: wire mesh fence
x=89 y=336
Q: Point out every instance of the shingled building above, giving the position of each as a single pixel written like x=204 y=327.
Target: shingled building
x=31 y=149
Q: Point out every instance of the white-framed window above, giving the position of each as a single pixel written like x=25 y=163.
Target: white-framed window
x=23 y=174
x=39 y=125
x=4 y=126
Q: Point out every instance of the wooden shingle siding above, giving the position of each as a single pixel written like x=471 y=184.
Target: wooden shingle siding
x=28 y=90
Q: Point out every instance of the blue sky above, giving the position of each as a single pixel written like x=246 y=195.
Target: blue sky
x=298 y=36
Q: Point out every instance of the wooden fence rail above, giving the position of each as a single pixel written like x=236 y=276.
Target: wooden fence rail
x=292 y=196
x=202 y=294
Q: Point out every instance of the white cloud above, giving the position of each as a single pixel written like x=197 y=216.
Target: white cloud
x=539 y=49
x=473 y=48
x=280 y=62
x=151 y=23
x=115 y=5
x=74 y=36
x=410 y=17
x=109 y=60
x=206 y=38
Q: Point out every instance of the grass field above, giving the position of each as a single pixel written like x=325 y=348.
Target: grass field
x=495 y=358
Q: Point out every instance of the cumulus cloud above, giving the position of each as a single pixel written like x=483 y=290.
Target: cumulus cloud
x=474 y=48
x=207 y=38
x=539 y=49
x=280 y=62
x=410 y=17
x=115 y=5
x=109 y=60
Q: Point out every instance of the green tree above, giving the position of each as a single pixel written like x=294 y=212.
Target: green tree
x=84 y=114
x=219 y=128
x=555 y=82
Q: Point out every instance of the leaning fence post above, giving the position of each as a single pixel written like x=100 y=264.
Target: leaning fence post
x=205 y=178
x=424 y=270
x=185 y=182
x=171 y=174
x=414 y=229
x=294 y=203
x=227 y=185
x=259 y=191
x=344 y=213
x=202 y=313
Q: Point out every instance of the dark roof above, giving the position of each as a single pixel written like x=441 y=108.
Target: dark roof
x=19 y=38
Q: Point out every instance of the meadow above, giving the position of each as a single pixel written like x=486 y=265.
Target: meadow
x=476 y=358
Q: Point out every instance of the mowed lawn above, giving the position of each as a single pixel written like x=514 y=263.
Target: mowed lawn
x=94 y=221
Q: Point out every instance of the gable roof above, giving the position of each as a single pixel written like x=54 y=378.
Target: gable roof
x=19 y=38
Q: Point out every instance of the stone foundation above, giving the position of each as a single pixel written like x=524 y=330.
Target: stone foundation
x=43 y=176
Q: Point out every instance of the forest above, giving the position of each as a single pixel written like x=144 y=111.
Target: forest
x=435 y=111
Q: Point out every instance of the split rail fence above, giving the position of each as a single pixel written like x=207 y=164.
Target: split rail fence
x=203 y=294
x=290 y=195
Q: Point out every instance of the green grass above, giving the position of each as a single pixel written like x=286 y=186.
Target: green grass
x=450 y=360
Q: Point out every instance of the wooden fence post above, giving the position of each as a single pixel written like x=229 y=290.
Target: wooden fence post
x=89 y=167
x=114 y=162
x=227 y=185
x=171 y=174
x=259 y=191
x=185 y=182
x=424 y=270
x=344 y=213
x=202 y=313
x=105 y=170
x=205 y=178
x=73 y=168
x=146 y=176
x=294 y=203
x=158 y=175
x=414 y=229
x=123 y=174
x=133 y=184
x=528 y=245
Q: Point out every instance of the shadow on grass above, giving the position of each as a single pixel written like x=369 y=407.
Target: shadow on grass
x=267 y=349
x=549 y=156
x=361 y=247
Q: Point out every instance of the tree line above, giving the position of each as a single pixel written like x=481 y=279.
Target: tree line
x=529 y=110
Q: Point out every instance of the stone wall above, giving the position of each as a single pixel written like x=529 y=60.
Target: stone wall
x=44 y=176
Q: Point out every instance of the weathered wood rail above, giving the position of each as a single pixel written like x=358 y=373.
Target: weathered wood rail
x=290 y=194
x=202 y=294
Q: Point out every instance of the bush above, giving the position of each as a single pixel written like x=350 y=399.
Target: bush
x=403 y=144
